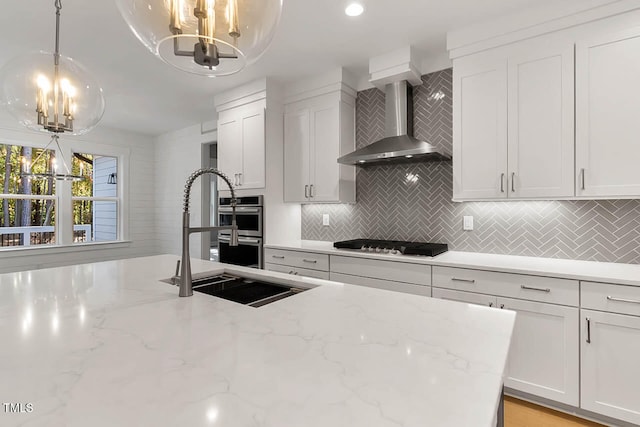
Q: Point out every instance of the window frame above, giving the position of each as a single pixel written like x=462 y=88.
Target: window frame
x=63 y=198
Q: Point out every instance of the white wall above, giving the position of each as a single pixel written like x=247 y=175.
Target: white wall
x=140 y=187
x=177 y=155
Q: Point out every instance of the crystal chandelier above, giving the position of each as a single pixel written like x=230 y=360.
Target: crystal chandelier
x=57 y=98
x=206 y=37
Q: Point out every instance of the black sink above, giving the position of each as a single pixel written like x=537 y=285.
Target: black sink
x=242 y=290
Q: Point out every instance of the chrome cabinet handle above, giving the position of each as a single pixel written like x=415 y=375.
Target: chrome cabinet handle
x=582 y=171
x=631 y=301
x=513 y=182
x=535 y=289
x=306 y=191
x=455 y=279
x=588 y=330
x=310 y=261
x=277 y=256
x=311 y=190
x=502 y=182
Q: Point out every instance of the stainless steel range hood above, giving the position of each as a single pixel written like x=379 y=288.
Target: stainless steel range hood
x=399 y=145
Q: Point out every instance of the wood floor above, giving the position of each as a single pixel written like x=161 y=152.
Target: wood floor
x=518 y=413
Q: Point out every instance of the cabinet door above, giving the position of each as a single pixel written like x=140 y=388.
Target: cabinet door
x=607 y=125
x=479 y=129
x=543 y=359
x=610 y=347
x=296 y=155
x=541 y=110
x=468 y=297
x=252 y=174
x=229 y=148
x=325 y=149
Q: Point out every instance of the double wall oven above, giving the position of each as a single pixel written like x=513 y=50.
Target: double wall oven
x=249 y=217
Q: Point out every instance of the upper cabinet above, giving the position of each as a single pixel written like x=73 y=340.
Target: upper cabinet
x=551 y=116
x=513 y=125
x=319 y=127
x=607 y=105
x=241 y=145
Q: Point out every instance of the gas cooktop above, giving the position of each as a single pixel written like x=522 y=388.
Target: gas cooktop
x=393 y=247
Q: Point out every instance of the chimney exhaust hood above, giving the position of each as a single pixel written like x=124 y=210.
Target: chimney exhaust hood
x=399 y=145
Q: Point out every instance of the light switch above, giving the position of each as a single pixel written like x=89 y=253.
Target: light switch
x=325 y=219
x=467 y=223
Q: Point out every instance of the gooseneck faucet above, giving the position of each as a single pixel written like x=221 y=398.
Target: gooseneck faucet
x=186 y=286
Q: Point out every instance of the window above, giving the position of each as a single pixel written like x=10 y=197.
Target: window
x=28 y=207
x=95 y=201
x=36 y=210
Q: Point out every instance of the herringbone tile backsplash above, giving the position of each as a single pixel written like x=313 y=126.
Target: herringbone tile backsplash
x=413 y=201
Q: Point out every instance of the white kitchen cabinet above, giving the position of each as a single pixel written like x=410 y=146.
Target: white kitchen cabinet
x=513 y=124
x=610 y=371
x=607 y=125
x=388 y=285
x=241 y=145
x=543 y=359
x=541 y=123
x=480 y=128
x=318 y=130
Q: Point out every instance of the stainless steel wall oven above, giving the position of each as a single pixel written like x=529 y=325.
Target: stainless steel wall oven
x=249 y=217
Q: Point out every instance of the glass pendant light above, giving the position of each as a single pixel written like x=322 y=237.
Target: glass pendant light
x=50 y=92
x=206 y=37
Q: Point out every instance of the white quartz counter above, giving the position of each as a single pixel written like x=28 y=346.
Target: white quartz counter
x=608 y=272
x=107 y=344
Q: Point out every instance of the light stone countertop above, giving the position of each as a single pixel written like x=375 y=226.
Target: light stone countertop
x=607 y=272
x=107 y=344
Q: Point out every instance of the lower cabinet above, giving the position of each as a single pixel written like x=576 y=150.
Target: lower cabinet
x=543 y=359
x=389 y=285
x=316 y=274
x=544 y=355
x=300 y=263
x=610 y=353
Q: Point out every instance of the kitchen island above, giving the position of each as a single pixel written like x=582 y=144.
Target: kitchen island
x=109 y=344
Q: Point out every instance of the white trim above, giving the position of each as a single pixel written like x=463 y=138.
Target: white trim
x=532 y=23
x=21 y=251
x=97 y=199
x=28 y=196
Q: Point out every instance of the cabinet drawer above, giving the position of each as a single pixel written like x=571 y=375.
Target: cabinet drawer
x=307 y=260
x=379 y=269
x=316 y=274
x=533 y=288
x=468 y=297
x=388 y=285
x=612 y=298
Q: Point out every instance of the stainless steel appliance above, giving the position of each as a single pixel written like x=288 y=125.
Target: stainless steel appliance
x=249 y=218
x=393 y=247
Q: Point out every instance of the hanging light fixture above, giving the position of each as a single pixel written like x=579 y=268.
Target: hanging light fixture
x=58 y=98
x=53 y=171
x=206 y=37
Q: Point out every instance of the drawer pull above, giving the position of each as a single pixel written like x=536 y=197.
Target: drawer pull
x=501 y=306
x=278 y=256
x=631 y=301
x=529 y=288
x=490 y=304
x=310 y=261
x=588 y=330
x=455 y=279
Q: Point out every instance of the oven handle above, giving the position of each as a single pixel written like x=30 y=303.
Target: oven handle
x=243 y=240
x=239 y=209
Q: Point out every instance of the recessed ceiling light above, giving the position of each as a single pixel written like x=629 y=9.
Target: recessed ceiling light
x=354 y=9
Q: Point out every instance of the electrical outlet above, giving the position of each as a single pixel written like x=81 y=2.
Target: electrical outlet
x=467 y=223
x=325 y=219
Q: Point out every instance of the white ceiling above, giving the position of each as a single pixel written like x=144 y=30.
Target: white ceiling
x=145 y=95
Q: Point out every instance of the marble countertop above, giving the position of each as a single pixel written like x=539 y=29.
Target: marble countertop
x=107 y=344
x=607 y=272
